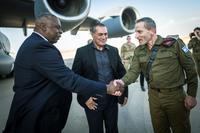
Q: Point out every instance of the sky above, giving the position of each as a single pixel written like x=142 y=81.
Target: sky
x=171 y=16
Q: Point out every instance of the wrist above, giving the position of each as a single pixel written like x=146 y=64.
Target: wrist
x=107 y=89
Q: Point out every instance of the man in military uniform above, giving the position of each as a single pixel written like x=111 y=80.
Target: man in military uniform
x=127 y=52
x=194 y=44
x=165 y=63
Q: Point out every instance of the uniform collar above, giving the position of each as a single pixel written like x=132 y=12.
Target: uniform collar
x=159 y=40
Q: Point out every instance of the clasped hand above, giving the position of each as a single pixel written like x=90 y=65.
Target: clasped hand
x=115 y=88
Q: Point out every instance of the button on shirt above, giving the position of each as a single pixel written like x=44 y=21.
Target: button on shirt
x=105 y=73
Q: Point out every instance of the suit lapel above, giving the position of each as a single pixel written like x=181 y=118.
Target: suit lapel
x=92 y=56
x=111 y=57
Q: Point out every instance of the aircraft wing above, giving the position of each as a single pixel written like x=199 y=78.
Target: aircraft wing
x=73 y=14
x=119 y=21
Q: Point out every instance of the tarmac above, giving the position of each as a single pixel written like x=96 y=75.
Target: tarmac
x=133 y=117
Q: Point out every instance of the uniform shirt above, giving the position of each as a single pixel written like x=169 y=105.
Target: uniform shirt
x=168 y=67
x=194 y=44
x=127 y=51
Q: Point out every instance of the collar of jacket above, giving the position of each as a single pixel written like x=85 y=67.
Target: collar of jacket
x=93 y=46
x=158 y=41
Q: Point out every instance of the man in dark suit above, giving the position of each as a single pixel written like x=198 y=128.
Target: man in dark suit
x=43 y=84
x=101 y=62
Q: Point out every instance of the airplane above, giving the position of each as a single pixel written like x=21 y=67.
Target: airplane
x=73 y=15
x=6 y=60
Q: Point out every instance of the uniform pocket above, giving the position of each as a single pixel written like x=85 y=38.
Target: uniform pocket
x=180 y=95
x=163 y=55
x=143 y=62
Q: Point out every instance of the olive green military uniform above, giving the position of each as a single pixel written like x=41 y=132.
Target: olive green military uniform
x=127 y=53
x=166 y=80
x=194 y=44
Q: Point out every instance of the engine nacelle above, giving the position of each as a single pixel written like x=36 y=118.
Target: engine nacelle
x=122 y=22
x=71 y=12
x=6 y=61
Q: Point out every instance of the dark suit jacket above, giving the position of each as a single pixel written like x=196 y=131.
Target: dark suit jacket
x=85 y=64
x=40 y=73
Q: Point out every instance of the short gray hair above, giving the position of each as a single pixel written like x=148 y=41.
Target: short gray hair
x=43 y=17
x=149 y=23
x=94 y=25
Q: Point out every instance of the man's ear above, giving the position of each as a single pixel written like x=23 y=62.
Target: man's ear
x=152 y=31
x=42 y=27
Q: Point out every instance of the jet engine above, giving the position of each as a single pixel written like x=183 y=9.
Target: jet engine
x=71 y=12
x=120 y=21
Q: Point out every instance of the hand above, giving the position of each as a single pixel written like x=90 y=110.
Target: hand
x=117 y=93
x=114 y=89
x=190 y=102
x=125 y=101
x=119 y=82
x=91 y=104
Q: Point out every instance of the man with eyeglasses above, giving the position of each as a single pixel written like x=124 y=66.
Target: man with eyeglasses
x=101 y=62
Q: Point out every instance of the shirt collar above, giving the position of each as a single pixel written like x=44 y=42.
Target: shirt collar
x=40 y=35
x=159 y=40
x=105 y=47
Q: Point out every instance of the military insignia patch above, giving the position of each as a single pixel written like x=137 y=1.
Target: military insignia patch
x=185 y=49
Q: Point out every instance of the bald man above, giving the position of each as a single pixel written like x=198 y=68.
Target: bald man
x=43 y=84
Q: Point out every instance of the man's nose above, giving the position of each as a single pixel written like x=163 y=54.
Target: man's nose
x=60 y=31
x=136 y=35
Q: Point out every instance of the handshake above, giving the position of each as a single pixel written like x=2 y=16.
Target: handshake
x=115 y=87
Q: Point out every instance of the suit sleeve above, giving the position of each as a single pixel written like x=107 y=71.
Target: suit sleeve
x=77 y=64
x=48 y=61
x=77 y=68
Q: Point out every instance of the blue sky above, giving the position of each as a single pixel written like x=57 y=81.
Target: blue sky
x=172 y=17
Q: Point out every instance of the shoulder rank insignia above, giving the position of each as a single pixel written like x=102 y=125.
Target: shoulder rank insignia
x=170 y=40
x=173 y=36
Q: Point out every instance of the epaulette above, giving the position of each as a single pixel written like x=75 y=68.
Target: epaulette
x=169 y=40
x=173 y=36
